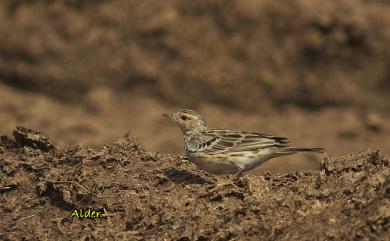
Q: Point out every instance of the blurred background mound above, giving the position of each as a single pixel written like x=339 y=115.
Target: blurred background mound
x=85 y=72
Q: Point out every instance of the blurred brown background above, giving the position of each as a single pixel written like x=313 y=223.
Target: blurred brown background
x=86 y=72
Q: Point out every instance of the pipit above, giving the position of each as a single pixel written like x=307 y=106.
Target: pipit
x=225 y=151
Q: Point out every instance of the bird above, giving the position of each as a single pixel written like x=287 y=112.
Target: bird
x=225 y=151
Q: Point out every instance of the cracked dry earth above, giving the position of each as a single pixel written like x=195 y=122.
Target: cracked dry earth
x=153 y=196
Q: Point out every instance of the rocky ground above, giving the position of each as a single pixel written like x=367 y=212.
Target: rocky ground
x=152 y=196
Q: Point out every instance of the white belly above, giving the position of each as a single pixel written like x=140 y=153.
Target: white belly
x=215 y=166
x=232 y=163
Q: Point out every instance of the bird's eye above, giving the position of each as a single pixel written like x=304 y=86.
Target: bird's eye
x=184 y=117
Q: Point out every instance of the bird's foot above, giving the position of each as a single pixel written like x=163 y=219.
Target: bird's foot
x=237 y=180
x=220 y=184
x=245 y=183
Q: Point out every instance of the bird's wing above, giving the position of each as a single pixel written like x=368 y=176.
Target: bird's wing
x=225 y=140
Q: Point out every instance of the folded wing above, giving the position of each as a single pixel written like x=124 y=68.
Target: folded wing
x=224 y=140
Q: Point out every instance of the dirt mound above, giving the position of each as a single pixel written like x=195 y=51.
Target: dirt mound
x=152 y=196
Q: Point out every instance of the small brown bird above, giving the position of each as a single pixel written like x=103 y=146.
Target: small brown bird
x=225 y=151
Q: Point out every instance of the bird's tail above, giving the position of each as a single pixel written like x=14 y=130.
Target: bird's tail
x=293 y=150
x=303 y=149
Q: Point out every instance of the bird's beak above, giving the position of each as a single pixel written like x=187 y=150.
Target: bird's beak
x=166 y=115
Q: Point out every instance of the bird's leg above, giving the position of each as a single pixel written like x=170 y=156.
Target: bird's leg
x=237 y=176
x=234 y=181
x=244 y=182
x=231 y=181
x=219 y=184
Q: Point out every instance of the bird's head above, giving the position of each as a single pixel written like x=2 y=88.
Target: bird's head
x=188 y=120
